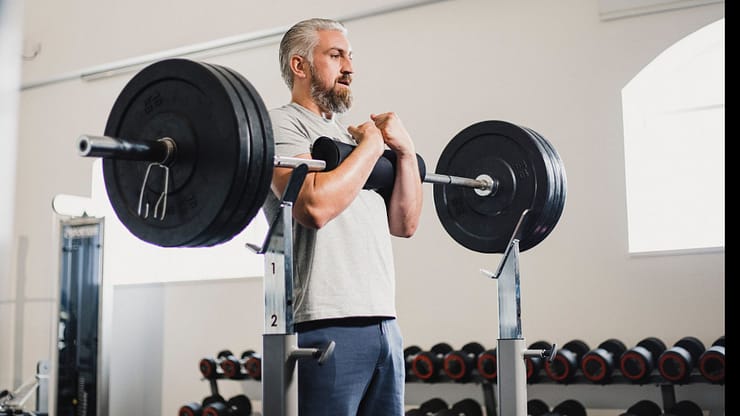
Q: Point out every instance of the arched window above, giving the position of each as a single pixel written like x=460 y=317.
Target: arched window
x=674 y=140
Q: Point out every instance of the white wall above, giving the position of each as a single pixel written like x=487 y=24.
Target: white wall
x=552 y=66
x=11 y=13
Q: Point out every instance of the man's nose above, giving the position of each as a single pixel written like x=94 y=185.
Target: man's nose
x=347 y=68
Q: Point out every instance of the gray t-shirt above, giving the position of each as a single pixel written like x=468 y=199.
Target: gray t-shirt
x=346 y=268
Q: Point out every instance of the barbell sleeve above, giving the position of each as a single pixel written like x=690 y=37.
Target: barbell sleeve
x=483 y=183
x=160 y=151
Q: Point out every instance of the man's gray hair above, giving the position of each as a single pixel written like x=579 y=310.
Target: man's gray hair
x=300 y=40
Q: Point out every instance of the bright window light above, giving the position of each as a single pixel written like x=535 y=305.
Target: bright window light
x=674 y=139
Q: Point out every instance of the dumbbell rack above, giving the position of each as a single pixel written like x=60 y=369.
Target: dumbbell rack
x=280 y=347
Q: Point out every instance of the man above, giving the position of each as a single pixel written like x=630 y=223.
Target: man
x=344 y=287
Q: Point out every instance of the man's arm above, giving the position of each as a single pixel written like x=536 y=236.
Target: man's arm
x=404 y=207
x=324 y=195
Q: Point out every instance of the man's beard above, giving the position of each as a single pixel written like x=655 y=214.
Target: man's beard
x=330 y=99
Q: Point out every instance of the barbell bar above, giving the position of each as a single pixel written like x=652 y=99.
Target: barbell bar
x=164 y=150
x=195 y=140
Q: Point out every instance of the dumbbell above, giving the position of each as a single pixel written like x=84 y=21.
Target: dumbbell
x=233 y=367
x=429 y=407
x=487 y=365
x=712 y=362
x=409 y=353
x=638 y=362
x=458 y=365
x=196 y=409
x=239 y=405
x=210 y=367
x=598 y=364
x=537 y=407
x=675 y=364
x=427 y=365
x=568 y=407
x=643 y=408
x=684 y=408
x=535 y=363
x=253 y=364
x=190 y=409
x=567 y=361
x=466 y=407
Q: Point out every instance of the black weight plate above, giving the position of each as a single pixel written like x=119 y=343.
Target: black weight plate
x=219 y=231
x=223 y=227
x=561 y=184
x=510 y=155
x=259 y=121
x=551 y=211
x=540 y=221
x=244 y=191
x=181 y=99
x=555 y=212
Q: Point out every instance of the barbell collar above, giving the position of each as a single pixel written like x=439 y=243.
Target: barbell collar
x=159 y=151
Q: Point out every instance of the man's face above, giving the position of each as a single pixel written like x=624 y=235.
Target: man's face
x=331 y=72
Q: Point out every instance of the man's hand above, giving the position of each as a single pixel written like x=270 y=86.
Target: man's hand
x=394 y=133
x=367 y=134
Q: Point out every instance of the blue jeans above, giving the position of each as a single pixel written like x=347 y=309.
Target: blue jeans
x=365 y=374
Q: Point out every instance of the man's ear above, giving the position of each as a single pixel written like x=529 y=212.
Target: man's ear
x=299 y=66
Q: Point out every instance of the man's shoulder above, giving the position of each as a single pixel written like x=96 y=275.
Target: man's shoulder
x=283 y=110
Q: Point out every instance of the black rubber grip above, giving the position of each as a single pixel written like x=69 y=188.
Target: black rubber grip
x=383 y=175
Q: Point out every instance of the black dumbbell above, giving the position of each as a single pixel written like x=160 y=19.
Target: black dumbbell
x=567 y=361
x=467 y=407
x=639 y=362
x=427 y=365
x=433 y=406
x=409 y=353
x=537 y=407
x=568 y=408
x=459 y=365
x=712 y=362
x=676 y=363
x=643 y=408
x=535 y=363
x=487 y=365
x=253 y=364
x=233 y=366
x=598 y=364
x=196 y=409
x=684 y=408
x=210 y=367
x=239 y=405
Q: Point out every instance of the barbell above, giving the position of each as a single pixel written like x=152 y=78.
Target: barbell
x=188 y=155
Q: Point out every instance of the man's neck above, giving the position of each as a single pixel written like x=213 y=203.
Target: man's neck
x=310 y=105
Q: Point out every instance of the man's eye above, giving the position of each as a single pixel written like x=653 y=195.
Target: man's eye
x=335 y=56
